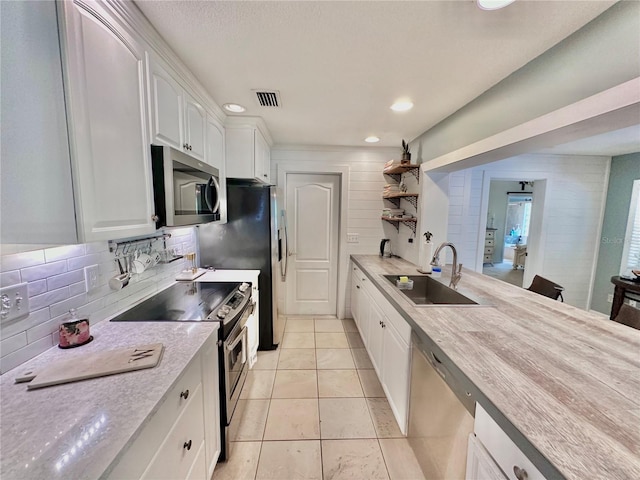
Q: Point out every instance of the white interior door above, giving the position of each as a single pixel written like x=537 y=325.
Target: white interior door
x=313 y=206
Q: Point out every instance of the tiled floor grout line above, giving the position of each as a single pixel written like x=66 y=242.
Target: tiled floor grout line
x=276 y=368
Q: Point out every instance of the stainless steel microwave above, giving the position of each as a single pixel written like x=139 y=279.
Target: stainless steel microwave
x=186 y=191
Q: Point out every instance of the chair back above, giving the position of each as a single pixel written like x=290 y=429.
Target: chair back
x=628 y=316
x=546 y=287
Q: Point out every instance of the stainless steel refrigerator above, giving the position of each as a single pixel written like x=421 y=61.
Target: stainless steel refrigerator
x=254 y=238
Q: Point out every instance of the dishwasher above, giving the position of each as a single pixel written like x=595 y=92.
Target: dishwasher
x=441 y=415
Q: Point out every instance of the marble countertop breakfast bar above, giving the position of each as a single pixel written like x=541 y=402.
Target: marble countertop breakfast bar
x=562 y=382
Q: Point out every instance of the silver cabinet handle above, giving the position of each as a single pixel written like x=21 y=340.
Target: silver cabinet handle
x=520 y=473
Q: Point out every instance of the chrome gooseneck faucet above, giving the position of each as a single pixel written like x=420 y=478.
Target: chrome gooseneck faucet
x=456 y=270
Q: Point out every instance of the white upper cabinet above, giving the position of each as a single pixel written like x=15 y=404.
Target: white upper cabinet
x=107 y=105
x=196 y=121
x=166 y=106
x=177 y=119
x=36 y=196
x=248 y=154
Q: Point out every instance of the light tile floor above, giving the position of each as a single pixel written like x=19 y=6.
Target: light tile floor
x=314 y=409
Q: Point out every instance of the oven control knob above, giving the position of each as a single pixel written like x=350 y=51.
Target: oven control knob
x=226 y=309
x=243 y=287
x=221 y=314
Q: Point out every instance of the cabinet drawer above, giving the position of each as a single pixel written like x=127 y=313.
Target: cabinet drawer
x=505 y=453
x=488 y=258
x=490 y=234
x=150 y=439
x=489 y=242
x=488 y=250
x=179 y=450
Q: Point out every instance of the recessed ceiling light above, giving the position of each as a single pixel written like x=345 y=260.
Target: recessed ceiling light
x=402 y=106
x=493 y=4
x=372 y=139
x=233 y=107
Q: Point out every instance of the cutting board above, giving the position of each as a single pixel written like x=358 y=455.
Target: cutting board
x=188 y=275
x=94 y=365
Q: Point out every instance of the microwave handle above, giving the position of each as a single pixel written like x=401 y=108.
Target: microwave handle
x=213 y=183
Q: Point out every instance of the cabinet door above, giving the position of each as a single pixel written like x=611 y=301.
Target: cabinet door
x=215 y=144
x=355 y=287
x=166 y=106
x=36 y=196
x=376 y=332
x=211 y=397
x=262 y=158
x=364 y=309
x=196 y=120
x=395 y=374
x=479 y=462
x=105 y=78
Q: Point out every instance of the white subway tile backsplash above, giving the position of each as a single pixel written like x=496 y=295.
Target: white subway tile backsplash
x=37 y=287
x=65 y=279
x=49 y=298
x=10 y=278
x=77 y=288
x=43 y=330
x=35 y=317
x=11 y=344
x=81 y=262
x=21 y=260
x=20 y=356
x=67 y=304
x=96 y=247
x=56 y=284
x=43 y=271
x=62 y=253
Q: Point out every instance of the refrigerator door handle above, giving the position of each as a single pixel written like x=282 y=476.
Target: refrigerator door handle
x=284 y=263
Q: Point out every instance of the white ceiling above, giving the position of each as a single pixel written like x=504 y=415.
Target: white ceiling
x=340 y=65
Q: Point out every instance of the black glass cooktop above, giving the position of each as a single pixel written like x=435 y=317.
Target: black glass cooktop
x=182 y=302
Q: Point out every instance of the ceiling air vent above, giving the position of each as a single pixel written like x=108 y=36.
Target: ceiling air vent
x=268 y=98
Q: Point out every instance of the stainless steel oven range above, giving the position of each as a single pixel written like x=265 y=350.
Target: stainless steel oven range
x=228 y=303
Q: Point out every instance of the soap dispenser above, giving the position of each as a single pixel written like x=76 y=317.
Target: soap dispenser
x=385 y=248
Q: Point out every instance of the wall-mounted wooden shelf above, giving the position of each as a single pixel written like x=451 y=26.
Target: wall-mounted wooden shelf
x=396 y=171
x=396 y=221
x=412 y=198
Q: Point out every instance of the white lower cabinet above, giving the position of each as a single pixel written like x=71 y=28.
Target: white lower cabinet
x=182 y=439
x=502 y=450
x=480 y=465
x=385 y=335
x=178 y=452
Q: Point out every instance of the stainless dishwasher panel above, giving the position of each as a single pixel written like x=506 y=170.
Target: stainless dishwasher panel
x=440 y=416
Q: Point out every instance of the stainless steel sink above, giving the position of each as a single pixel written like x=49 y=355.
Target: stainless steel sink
x=427 y=291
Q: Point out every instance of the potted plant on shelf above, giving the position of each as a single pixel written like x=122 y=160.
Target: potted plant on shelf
x=406 y=154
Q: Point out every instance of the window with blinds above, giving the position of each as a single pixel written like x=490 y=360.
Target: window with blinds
x=631 y=251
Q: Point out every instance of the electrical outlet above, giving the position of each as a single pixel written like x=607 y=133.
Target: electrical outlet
x=91 y=275
x=352 y=238
x=14 y=302
x=633 y=303
x=610 y=298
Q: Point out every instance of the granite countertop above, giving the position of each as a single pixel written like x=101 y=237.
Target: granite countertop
x=564 y=383
x=90 y=422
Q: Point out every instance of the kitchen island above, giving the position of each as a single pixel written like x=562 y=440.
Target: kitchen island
x=563 y=383
x=82 y=429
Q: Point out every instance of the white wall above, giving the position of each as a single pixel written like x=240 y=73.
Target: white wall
x=571 y=216
x=365 y=202
x=56 y=284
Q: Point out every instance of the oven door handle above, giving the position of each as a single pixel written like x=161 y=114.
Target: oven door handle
x=241 y=338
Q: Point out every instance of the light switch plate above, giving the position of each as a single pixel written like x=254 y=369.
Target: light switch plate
x=353 y=238
x=610 y=298
x=14 y=302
